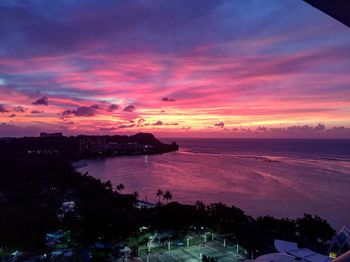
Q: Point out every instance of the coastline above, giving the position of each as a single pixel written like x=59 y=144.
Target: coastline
x=255 y=184
x=79 y=164
x=108 y=213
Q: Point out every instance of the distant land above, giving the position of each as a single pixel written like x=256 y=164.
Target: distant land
x=83 y=146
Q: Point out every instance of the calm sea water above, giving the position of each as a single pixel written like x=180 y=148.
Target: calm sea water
x=283 y=178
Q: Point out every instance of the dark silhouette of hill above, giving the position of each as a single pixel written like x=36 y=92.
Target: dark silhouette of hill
x=38 y=179
x=83 y=146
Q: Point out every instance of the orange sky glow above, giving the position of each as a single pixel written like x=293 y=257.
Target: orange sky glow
x=215 y=70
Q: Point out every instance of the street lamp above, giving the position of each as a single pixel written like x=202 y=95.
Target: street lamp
x=253 y=253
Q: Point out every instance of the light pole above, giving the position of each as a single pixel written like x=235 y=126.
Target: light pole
x=253 y=253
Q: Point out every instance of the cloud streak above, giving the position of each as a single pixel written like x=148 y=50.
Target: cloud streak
x=192 y=64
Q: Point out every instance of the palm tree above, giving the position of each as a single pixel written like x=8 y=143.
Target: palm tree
x=200 y=206
x=120 y=187
x=159 y=194
x=108 y=185
x=167 y=196
x=135 y=195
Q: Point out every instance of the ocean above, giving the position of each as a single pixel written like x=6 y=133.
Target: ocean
x=278 y=177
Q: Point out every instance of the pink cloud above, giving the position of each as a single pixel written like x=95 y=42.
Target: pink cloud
x=256 y=79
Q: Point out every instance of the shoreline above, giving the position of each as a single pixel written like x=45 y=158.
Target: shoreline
x=184 y=177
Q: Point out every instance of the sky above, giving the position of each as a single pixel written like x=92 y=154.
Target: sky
x=176 y=68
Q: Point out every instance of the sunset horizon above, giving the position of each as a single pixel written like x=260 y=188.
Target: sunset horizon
x=177 y=70
x=175 y=130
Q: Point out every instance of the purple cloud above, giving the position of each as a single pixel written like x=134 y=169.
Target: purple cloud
x=81 y=111
x=220 y=124
x=158 y=123
x=140 y=121
x=3 y=109
x=36 y=112
x=129 y=108
x=262 y=129
x=42 y=101
x=320 y=127
x=87 y=24
x=206 y=60
x=167 y=99
x=19 y=109
x=305 y=128
x=318 y=130
x=112 y=107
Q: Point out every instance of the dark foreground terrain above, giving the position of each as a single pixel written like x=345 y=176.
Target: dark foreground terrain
x=42 y=194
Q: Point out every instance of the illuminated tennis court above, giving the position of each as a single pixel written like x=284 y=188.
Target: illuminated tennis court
x=193 y=253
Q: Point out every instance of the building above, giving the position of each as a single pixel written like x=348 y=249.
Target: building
x=340 y=243
x=289 y=252
x=144 y=204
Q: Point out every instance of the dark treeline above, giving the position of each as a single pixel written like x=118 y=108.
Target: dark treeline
x=32 y=192
x=254 y=234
